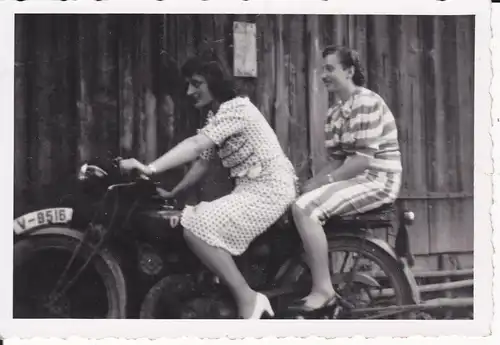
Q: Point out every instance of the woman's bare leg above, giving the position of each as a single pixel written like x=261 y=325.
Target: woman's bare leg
x=316 y=250
x=221 y=263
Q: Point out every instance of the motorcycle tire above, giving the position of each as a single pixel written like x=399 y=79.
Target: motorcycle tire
x=103 y=269
x=403 y=291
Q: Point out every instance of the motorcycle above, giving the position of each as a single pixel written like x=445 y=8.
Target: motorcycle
x=117 y=251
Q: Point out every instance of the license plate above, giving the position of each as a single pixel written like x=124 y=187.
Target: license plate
x=38 y=218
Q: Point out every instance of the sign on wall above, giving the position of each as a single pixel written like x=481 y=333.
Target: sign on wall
x=245 y=49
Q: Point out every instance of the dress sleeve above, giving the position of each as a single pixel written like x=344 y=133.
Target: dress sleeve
x=367 y=127
x=208 y=154
x=229 y=120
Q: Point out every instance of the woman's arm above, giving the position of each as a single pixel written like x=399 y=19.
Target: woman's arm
x=186 y=151
x=316 y=180
x=353 y=166
x=198 y=169
x=330 y=167
x=338 y=171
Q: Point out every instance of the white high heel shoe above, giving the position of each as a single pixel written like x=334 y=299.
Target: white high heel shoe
x=262 y=305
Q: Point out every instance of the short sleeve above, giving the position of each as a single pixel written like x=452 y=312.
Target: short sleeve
x=229 y=120
x=367 y=126
x=208 y=154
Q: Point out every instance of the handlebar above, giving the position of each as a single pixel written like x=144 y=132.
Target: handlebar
x=142 y=179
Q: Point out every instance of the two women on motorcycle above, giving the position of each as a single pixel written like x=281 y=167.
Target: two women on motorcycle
x=362 y=174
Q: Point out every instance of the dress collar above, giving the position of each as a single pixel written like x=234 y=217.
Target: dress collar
x=345 y=108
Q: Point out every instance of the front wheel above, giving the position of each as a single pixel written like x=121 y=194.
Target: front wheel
x=38 y=263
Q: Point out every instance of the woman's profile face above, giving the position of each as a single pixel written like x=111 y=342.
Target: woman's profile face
x=334 y=75
x=199 y=91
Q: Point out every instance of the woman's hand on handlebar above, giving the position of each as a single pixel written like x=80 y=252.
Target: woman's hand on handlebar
x=132 y=165
x=165 y=194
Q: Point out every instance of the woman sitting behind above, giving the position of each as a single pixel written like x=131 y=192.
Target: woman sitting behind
x=364 y=171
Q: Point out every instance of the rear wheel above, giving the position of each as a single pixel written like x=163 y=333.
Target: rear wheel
x=38 y=263
x=365 y=276
x=370 y=265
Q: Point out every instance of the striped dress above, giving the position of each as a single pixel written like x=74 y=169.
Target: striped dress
x=363 y=125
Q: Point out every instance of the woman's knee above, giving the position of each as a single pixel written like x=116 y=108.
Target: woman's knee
x=188 y=235
x=300 y=213
x=297 y=211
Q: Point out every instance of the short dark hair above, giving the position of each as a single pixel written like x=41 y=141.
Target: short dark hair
x=219 y=83
x=348 y=58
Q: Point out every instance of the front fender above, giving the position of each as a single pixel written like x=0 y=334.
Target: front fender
x=58 y=231
x=383 y=245
x=109 y=256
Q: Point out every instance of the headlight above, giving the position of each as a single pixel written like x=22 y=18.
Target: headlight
x=90 y=170
x=82 y=174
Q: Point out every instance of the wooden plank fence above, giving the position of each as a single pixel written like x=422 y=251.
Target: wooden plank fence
x=107 y=85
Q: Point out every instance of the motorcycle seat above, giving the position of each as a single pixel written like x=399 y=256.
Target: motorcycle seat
x=381 y=216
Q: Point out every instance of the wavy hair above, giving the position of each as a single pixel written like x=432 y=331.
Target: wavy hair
x=221 y=86
x=348 y=58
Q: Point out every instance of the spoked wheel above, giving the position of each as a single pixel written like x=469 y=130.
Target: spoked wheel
x=39 y=261
x=183 y=297
x=366 y=277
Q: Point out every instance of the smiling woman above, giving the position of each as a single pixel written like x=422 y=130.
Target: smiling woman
x=364 y=173
x=264 y=177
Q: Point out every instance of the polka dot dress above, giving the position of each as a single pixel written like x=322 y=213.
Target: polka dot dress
x=265 y=179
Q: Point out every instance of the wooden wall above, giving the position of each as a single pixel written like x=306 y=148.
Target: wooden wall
x=107 y=85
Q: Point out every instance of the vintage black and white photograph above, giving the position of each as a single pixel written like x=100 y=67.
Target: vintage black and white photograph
x=244 y=166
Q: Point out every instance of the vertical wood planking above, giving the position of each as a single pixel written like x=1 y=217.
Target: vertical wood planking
x=341 y=30
x=165 y=101
x=146 y=100
x=411 y=127
x=206 y=44
x=298 y=127
x=465 y=110
x=408 y=114
x=281 y=110
x=21 y=114
x=170 y=85
x=448 y=58
x=139 y=83
x=105 y=98
x=44 y=88
x=86 y=41
x=126 y=90
x=440 y=233
x=21 y=152
x=380 y=64
x=450 y=223
x=64 y=110
x=265 y=90
x=465 y=115
x=186 y=47
x=357 y=36
x=221 y=40
x=317 y=96
x=422 y=67
x=438 y=158
x=327 y=32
